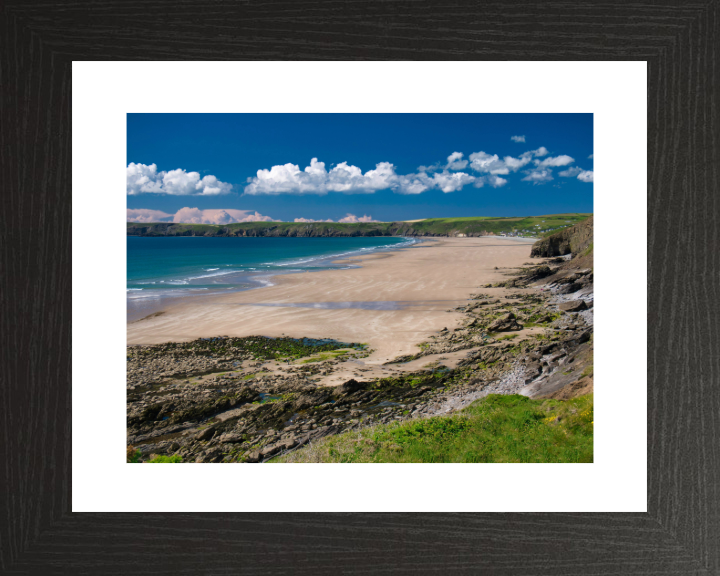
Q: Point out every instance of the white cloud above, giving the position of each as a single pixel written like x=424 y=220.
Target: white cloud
x=484 y=162
x=451 y=181
x=349 y=179
x=562 y=160
x=414 y=183
x=582 y=175
x=591 y=156
x=431 y=168
x=455 y=162
x=226 y=216
x=351 y=218
x=515 y=164
x=146 y=215
x=311 y=220
x=315 y=179
x=196 y=216
x=570 y=172
x=539 y=176
x=145 y=179
x=445 y=181
x=517 y=138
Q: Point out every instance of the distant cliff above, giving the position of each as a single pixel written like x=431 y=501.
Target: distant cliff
x=430 y=227
x=575 y=240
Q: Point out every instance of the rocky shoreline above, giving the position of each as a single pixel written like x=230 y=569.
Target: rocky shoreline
x=251 y=399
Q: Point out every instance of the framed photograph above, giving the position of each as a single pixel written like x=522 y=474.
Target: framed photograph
x=350 y=264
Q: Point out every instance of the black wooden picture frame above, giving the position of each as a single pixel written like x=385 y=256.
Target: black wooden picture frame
x=680 y=533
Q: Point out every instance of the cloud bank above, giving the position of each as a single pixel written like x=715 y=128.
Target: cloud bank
x=311 y=220
x=478 y=169
x=197 y=216
x=349 y=218
x=315 y=179
x=145 y=179
x=221 y=216
x=145 y=215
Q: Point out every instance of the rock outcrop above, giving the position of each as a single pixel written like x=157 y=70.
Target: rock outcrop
x=574 y=240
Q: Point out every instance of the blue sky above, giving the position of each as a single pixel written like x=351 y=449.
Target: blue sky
x=381 y=166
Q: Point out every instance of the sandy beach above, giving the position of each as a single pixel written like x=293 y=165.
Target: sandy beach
x=392 y=301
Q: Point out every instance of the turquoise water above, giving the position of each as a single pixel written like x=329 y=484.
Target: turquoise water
x=161 y=268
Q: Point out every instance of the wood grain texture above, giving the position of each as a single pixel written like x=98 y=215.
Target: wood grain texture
x=681 y=532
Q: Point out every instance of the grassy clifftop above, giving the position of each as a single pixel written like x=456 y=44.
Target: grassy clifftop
x=470 y=226
x=498 y=428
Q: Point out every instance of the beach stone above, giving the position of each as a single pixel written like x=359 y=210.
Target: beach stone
x=569 y=288
x=269 y=450
x=205 y=434
x=288 y=443
x=349 y=387
x=505 y=323
x=573 y=306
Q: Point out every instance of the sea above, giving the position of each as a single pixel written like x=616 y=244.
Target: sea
x=162 y=269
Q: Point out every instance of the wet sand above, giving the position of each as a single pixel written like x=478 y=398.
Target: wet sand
x=392 y=302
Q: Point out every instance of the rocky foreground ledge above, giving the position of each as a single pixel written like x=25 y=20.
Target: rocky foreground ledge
x=251 y=399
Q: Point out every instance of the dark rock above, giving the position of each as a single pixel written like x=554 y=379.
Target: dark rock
x=288 y=442
x=230 y=437
x=540 y=272
x=569 y=288
x=349 y=387
x=269 y=450
x=206 y=434
x=582 y=338
x=573 y=306
x=505 y=323
x=307 y=400
x=254 y=456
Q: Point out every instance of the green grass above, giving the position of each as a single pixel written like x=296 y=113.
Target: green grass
x=526 y=225
x=165 y=460
x=499 y=428
x=133 y=457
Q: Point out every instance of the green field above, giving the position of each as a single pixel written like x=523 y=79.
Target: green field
x=526 y=226
x=498 y=428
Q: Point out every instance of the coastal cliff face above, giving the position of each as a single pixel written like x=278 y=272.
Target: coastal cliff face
x=573 y=240
x=291 y=231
